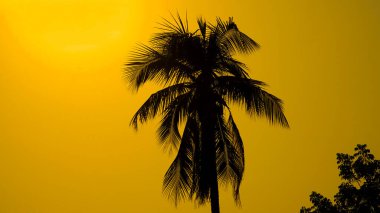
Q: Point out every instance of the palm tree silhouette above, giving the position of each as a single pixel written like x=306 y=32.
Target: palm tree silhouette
x=200 y=77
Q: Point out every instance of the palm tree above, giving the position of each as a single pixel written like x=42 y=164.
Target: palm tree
x=201 y=78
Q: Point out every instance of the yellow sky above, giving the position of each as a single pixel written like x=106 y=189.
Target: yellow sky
x=65 y=143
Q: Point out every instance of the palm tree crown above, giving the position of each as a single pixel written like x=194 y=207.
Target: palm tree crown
x=201 y=78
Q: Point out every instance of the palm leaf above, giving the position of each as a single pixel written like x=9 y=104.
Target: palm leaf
x=158 y=102
x=230 y=155
x=178 y=180
x=231 y=39
x=249 y=92
x=230 y=66
x=202 y=25
x=174 y=114
x=149 y=64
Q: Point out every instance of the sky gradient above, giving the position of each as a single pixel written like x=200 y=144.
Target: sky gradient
x=65 y=107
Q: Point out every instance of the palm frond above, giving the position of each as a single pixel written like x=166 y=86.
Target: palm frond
x=186 y=49
x=202 y=26
x=149 y=64
x=230 y=155
x=175 y=112
x=231 y=39
x=178 y=181
x=222 y=140
x=237 y=143
x=175 y=28
x=158 y=102
x=230 y=66
x=177 y=25
x=273 y=109
x=236 y=138
x=257 y=101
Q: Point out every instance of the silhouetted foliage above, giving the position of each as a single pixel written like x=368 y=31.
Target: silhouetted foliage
x=200 y=77
x=360 y=190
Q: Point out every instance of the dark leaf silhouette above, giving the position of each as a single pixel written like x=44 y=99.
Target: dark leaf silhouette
x=360 y=190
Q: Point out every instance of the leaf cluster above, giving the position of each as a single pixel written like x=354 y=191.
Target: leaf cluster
x=360 y=187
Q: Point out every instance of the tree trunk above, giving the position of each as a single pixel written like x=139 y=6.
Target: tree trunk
x=209 y=142
x=214 y=187
x=208 y=117
x=208 y=122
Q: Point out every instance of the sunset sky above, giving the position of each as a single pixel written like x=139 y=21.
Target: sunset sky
x=65 y=140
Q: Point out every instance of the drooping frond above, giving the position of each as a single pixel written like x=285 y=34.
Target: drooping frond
x=231 y=39
x=236 y=138
x=158 y=102
x=230 y=66
x=229 y=155
x=149 y=64
x=178 y=181
x=257 y=101
x=273 y=109
x=222 y=140
x=237 y=143
x=175 y=112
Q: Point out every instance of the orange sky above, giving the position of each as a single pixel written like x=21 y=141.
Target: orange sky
x=65 y=143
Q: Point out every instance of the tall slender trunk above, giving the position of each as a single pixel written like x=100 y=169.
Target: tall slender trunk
x=214 y=186
x=208 y=121
x=208 y=139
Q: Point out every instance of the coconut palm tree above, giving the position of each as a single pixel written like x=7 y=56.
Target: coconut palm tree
x=201 y=78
